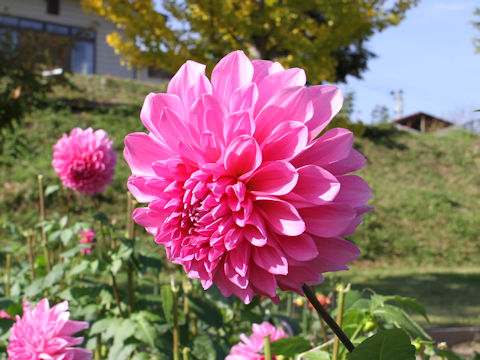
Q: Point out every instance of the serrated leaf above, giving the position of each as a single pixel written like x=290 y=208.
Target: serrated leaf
x=54 y=275
x=400 y=318
x=206 y=311
x=145 y=331
x=392 y=344
x=289 y=347
x=51 y=189
x=120 y=351
x=101 y=326
x=316 y=355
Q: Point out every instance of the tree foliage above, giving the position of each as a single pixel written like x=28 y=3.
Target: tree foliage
x=325 y=37
x=476 y=25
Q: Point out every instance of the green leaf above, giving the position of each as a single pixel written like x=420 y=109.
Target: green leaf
x=203 y=347
x=54 y=275
x=145 y=331
x=448 y=354
x=5 y=325
x=392 y=344
x=51 y=189
x=289 y=347
x=63 y=221
x=103 y=218
x=409 y=303
x=317 y=355
x=167 y=303
x=207 y=311
x=66 y=235
x=398 y=317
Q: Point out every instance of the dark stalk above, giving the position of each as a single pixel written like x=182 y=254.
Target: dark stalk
x=117 y=296
x=328 y=319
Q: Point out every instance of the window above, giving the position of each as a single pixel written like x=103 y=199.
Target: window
x=83 y=57
x=53 y=7
x=78 y=57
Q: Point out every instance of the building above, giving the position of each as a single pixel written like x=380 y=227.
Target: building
x=62 y=20
x=421 y=122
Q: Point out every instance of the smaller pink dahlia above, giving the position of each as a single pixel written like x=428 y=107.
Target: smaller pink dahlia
x=88 y=237
x=85 y=160
x=4 y=314
x=249 y=347
x=46 y=333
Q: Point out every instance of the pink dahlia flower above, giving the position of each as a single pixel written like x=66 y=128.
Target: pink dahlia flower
x=249 y=347
x=88 y=237
x=240 y=190
x=46 y=333
x=85 y=160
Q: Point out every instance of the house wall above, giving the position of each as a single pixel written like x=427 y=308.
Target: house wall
x=71 y=14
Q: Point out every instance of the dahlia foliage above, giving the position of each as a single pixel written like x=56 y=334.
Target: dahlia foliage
x=85 y=160
x=46 y=333
x=250 y=347
x=87 y=237
x=240 y=191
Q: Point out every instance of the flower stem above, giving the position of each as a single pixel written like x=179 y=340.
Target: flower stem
x=31 y=256
x=341 y=301
x=267 y=349
x=8 y=271
x=328 y=319
x=176 y=329
x=131 y=236
x=41 y=199
x=115 y=293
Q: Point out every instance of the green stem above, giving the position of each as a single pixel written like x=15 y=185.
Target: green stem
x=131 y=236
x=41 y=199
x=8 y=271
x=341 y=301
x=186 y=353
x=98 y=348
x=267 y=350
x=116 y=295
x=31 y=256
x=326 y=316
x=176 y=329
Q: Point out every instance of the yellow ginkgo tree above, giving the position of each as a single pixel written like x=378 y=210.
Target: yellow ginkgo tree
x=325 y=37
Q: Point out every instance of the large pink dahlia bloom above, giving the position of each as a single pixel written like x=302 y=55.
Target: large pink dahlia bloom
x=240 y=191
x=46 y=333
x=249 y=347
x=85 y=160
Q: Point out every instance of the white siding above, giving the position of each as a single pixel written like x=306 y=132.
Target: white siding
x=71 y=13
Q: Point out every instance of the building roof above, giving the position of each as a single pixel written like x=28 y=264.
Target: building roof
x=417 y=116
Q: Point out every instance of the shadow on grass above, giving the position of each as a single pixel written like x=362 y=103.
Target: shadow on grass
x=449 y=298
x=384 y=135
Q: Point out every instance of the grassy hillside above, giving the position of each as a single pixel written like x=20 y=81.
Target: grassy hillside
x=426 y=188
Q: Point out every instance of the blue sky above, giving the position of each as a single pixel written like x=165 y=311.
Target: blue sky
x=430 y=57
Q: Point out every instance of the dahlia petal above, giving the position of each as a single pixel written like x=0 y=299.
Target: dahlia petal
x=254 y=231
x=295 y=101
x=80 y=354
x=267 y=120
x=243 y=156
x=315 y=186
x=72 y=327
x=281 y=215
x=189 y=83
x=232 y=72
x=141 y=151
x=269 y=259
x=263 y=68
x=334 y=253
x=243 y=99
x=353 y=162
x=354 y=190
x=278 y=80
x=273 y=178
x=290 y=281
x=236 y=124
x=300 y=247
x=145 y=188
x=152 y=109
x=147 y=217
x=333 y=146
x=327 y=220
x=240 y=258
x=327 y=101
x=264 y=281
x=208 y=114
x=286 y=141
x=174 y=130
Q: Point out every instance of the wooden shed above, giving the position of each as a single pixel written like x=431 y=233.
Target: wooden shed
x=422 y=122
